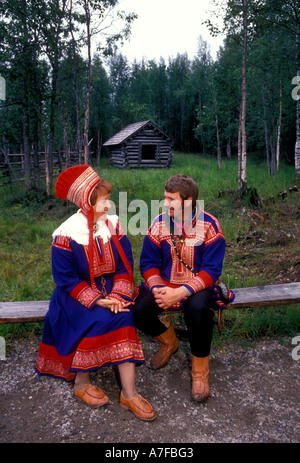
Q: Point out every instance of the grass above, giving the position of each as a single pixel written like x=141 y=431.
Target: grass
x=29 y=220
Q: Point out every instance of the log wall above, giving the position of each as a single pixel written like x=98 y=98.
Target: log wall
x=130 y=153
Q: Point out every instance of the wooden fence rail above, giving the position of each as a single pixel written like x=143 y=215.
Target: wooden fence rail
x=12 y=165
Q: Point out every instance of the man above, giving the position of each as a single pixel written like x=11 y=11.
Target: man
x=181 y=259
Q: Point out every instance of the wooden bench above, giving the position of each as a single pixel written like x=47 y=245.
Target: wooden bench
x=253 y=297
x=257 y=296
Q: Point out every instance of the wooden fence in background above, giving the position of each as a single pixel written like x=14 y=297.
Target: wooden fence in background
x=12 y=165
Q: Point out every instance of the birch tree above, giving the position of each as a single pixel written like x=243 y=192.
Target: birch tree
x=54 y=29
x=236 y=20
x=242 y=146
x=98 y=17
x=285 y=15
x=297 y=147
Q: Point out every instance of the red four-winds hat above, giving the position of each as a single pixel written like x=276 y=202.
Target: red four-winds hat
x=76 y=184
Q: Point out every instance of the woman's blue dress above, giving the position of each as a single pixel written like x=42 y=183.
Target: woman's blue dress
x=78 y=334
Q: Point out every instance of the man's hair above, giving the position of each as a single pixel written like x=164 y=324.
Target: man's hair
x=101 y=189
x=184 y=185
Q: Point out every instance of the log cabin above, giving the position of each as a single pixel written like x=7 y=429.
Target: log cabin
x=140 y=145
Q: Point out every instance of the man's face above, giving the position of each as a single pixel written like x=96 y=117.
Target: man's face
x=173 y=203
x=176 y=207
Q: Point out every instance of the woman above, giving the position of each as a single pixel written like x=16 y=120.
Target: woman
x=89 y=323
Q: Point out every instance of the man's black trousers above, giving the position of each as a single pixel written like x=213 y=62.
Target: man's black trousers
x=198 y=317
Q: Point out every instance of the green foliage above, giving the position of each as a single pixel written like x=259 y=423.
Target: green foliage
x=35 y=196
x=252 y=324
x=183 y=96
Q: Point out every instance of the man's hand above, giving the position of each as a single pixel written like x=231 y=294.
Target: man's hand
x=167 y=297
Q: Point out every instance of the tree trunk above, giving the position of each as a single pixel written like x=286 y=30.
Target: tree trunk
x=47 y=163
x=297 y=147
x=65 y=130
x=89 y=86
x=27 y=167
x=219 y=156
x=239 y=149
x=228 y=149
x=78 y=126
x=273 y=156
x=279 y=129
x=243 y=157
x=266 y=129
x=99 y=146
x=49 y=156
x=182 y=106
x=36 y=166
x=25 y=64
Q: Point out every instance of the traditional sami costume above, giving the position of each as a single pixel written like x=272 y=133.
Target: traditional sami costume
x=189 y=256
x=186 y=254
x=80 y=335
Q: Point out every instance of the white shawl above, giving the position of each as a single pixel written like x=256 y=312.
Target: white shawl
x=76 y=228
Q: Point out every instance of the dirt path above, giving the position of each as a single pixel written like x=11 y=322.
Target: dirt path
x=254 y=399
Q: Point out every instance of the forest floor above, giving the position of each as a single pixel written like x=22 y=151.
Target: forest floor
x=254 y=384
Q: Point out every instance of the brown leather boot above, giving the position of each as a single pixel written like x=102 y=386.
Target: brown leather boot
x=168 y=345
x=200 y=371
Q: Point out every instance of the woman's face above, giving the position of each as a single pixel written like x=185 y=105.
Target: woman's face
x=101 y=206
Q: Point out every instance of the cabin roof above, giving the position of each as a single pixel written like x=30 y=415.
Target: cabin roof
x=129 y=131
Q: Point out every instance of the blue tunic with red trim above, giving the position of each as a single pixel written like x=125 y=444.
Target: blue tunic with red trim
x=78 y=334
x=199 y=243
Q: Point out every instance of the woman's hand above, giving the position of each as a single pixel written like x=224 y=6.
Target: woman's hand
x=114 y=304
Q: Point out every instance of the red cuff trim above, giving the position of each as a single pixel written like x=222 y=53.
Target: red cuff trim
x=152 y=278
x=150 y=273
x=84 y=294
x=205 y=277
x=122 y=287
x=199 y=282
x=123 y=276
x=79 y=289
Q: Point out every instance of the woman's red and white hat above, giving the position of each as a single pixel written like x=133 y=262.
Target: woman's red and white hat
x=76 y=184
